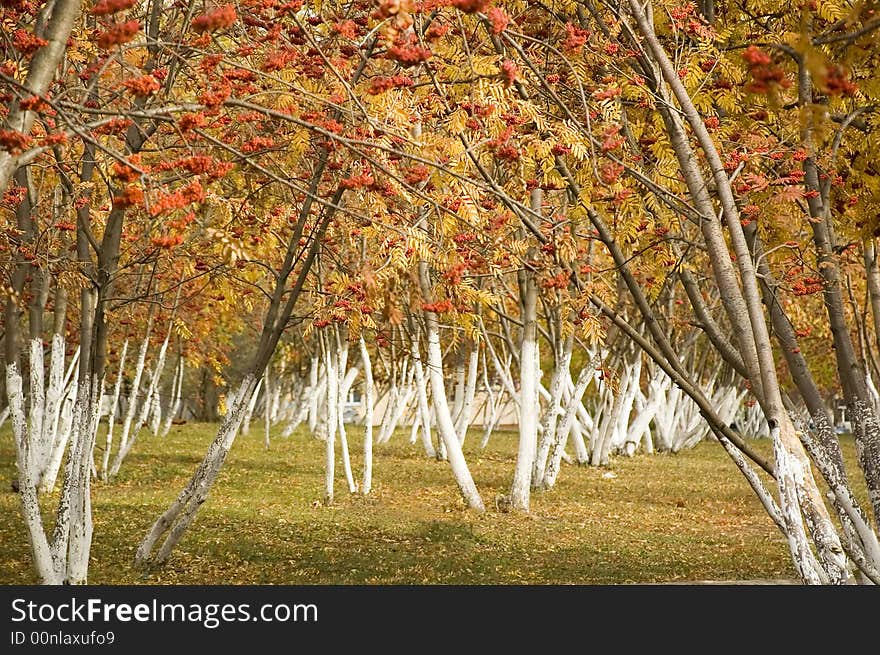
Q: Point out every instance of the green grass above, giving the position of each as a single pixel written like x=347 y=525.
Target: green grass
x=663 y=518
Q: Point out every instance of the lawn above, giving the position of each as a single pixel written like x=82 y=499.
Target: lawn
x=645 y=519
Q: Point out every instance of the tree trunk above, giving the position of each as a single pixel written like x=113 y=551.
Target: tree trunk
x=445 y=426
x=548 y=423
x=528 y=395
x=111 y=419
x=367 y=480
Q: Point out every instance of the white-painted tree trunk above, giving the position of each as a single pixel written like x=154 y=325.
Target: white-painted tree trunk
x=150 y=396
x=27 y=490
x=79 y=541
x=64 y=428
x=177 y=398
x=445 y=426
x=267 y=408
x=346 y=379
x=331 y=423
x=95 y=421
x=422 y=396
x=313 y=399
x=402 y=400
x=465 y=416
x=111 y=419
x=385 y=427
x=614 y=428
x=54 y=397
x=586 y=375
x=132 y=406
x=39 y=450
x=275 y=397
x=548 y=422
x=156 y=410
x=458 y=391
x=301 y=411
x=249 y=411
x=528 y=398
x=490 y=414
x=176 y=519
x=367 y=480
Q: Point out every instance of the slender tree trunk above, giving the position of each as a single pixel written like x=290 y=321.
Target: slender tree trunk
x=267 y=409
x=313 y=397
x=345 y=380
x=586 y=375
x=64 y=425
x=27 y=491
x=55 y=389
x=177 y=396
x=249 y=411
x=331 y=422
x=467 y=406
x=422 y=394
x=528 y=396
x=152 y=390
x=367 y=480
x=445 y=426
x=177 y=518
x=132 y=404
x=111 y=419
x=801 y=500
x=551 y=415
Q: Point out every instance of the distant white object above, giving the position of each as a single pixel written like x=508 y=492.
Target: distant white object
x=609 y=474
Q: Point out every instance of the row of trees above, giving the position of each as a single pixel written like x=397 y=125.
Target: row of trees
x=618 y=219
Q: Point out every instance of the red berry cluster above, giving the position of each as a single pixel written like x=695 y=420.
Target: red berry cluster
x=766 y=75
x=143 y=86
x=216 y=19
x=117 y=34
x=438 y=307
x=26 y=43
x=13 y=141
x=381 y=84
x=107 y=7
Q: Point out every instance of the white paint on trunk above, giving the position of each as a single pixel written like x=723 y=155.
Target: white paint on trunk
x=54 y=397
x=80 y=507
x=467 y=407
x=490 y=417
x=27 y=491
x=529 y=405
x=458 y=392
x=149 y=397
x=804 y=560
x=585 y=376
x=422 y=394
x=445 y=426
x=313 y=398
x=346 y=379
x=177 y=518
x=553 y=410
x=367 y=480
x=177 y=398
x=249 y=411
x=267 y=406
x=132 y=407
x=114 y=404
x=39 y=450
x=65 y=428
x=331 y=423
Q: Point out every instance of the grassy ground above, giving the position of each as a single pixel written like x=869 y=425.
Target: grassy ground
x=663 y=518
